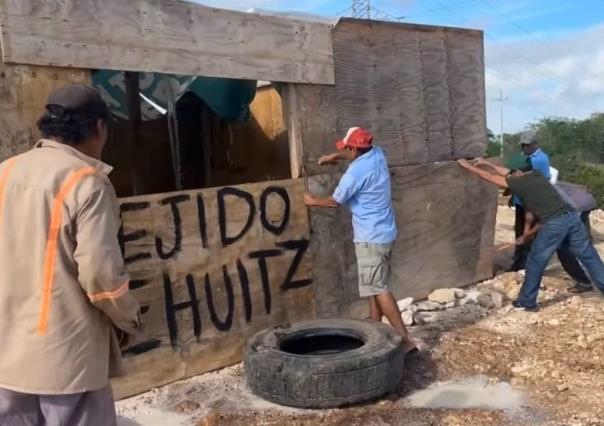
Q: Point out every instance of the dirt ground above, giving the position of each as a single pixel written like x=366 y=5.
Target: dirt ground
x=553 y=359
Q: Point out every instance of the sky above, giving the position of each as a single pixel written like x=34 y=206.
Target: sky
x=546 y=56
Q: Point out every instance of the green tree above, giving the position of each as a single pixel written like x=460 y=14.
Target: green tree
x=576 y=148
x=493 y=145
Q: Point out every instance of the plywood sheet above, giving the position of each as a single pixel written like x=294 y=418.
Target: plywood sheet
x=170 y=36
x=446 y=224
x=210 y=268
x=23 y=93
x=419 y=89
x=465 y=62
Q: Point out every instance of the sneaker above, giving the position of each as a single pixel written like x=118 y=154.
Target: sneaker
x=517 y=305
x=580 y=288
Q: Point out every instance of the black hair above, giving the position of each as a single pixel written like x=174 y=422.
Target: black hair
x=72 y=128
x=363 y=151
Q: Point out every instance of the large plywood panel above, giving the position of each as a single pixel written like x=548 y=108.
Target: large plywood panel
x=367 y=83
x=465 y=62
x=23 y=93
x=446 y=224
x=210 y=268
x=419 y=89
x=437 y=96
x=171 y=36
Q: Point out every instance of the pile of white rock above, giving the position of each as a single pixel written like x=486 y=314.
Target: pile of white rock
x=491 y=294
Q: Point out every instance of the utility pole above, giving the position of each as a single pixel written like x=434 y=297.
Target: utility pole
x=361 y=9
x=501 y=100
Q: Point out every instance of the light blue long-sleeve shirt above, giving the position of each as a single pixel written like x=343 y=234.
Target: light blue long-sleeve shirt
x=365 y=190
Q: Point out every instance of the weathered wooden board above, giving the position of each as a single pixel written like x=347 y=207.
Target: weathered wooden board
x=446 y=224
x=311 y=123
x=23 y=93
x=419 y=89
x=436 y=94
x=465 y=62
x=171 y=36
x=210 y=268
x=332 y=250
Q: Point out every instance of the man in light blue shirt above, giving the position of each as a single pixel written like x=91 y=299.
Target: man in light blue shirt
x=365 y=190
x=539 y=161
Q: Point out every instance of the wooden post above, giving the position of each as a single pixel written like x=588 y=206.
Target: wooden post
x=294 y=132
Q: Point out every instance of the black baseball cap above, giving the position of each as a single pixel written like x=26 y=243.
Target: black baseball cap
x=78 y=98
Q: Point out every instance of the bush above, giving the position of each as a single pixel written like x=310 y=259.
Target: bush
x=592 y=176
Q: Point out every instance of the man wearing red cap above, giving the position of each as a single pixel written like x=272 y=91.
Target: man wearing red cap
x=365 y=190
x=64 y=302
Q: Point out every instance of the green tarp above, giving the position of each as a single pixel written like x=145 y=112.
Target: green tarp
x=228 y=98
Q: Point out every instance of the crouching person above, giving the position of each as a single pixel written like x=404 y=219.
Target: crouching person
x=64 y=302
x=559 y=226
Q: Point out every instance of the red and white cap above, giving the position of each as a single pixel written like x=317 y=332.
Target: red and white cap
x=356 y=137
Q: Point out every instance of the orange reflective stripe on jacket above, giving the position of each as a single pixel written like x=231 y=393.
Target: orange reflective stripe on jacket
x=56 y=219
x=115 y=294
x=9 y=166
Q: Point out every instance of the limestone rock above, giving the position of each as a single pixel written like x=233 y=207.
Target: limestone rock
x=497 y=299
x=405 y=303
x=459 y=293
x=442 y=295
x=485 y=301
x=426 y=317
x=426 y=305
x=575 y=301
x=407 y=317
x=471 y=297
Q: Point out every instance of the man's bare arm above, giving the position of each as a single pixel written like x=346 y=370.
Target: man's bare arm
x=500 y=170
x=495 y=179
x=312 y=201
x=334 y=157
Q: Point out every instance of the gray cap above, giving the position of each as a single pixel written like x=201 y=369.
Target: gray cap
x=78 y=98
x=528 y=137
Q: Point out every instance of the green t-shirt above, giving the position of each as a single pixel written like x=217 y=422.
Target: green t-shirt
x=538 y=195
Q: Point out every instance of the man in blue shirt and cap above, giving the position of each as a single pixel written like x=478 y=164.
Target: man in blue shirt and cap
x=365 y=190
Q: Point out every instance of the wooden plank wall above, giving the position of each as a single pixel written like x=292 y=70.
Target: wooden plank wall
x=419 y=89
x=210 y=268
x=23 y=93
x=171 y=36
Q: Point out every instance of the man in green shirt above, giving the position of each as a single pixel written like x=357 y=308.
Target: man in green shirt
x=559 y=226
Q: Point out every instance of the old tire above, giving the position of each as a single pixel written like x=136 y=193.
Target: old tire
x=324 y=363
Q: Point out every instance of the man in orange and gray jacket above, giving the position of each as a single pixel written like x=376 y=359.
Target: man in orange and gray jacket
x=64 y=301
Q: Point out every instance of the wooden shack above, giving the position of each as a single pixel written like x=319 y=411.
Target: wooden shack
x=227 y=248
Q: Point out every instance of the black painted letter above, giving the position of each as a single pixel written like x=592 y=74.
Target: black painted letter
x=173 y=201
x=300 y=246
x=222 y=214
x=201 y=218
x=134 y=235
x=228 y=286
x=277 y=230
x=262 y=255
x=172 y=307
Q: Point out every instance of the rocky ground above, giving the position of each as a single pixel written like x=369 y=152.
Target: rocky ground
x=553 y=359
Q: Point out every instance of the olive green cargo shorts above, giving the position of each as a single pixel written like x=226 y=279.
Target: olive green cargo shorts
x=373 y=261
